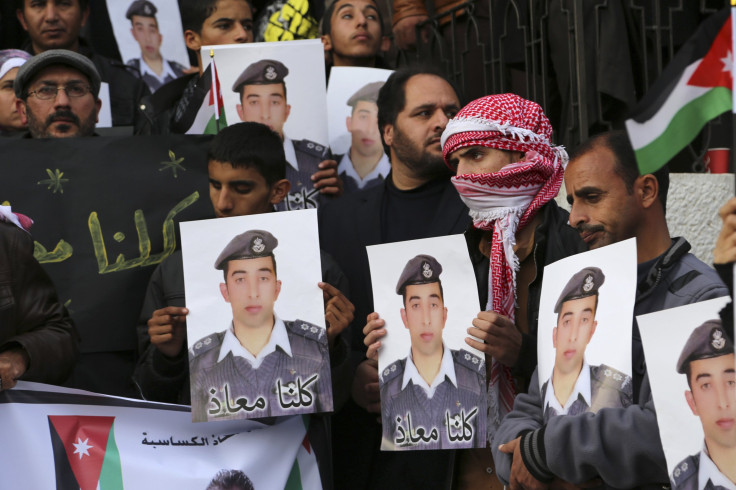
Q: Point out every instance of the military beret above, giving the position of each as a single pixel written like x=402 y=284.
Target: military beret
x=263 y=72
x=422 y=269
x=143 y=8
x=706 y=341
x=368 y=93
x=583 y=284
x=30 y=69
x=249 y=245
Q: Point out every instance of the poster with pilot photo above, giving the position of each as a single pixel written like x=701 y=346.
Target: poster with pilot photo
x=255 y=329
x=432 y=382
x=690 y=363
x=281 y=85
x=584 y=331
x=150 y=38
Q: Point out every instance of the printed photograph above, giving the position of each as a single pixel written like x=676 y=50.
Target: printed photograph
x=432 y=383
x=257 y=338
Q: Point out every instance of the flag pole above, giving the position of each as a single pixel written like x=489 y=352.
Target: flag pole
x=214 y=87
x=733 y=87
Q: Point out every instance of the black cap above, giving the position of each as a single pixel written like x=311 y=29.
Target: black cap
x=422 y=269
x=583 y=284
x=368 y=93
x=706 y=341
x=249 y=245
x=143 y=8
x=30 y=69
x=263 y=72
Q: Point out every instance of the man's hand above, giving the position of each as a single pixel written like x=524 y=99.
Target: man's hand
x=520 y=476
x=405 y=32
x=13 y=363
x=725 y=251
x=327 y=180
x=373 y=332
x=365 y=386
x=168 y=330
x=502 y=338
x=338 y=311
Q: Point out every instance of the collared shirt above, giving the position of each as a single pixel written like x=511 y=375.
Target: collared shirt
x=346 y=166
x=582 y=388
x=447 y=368
x=168 y=71
x=279 y=337
x=290 y=153
x=707 y=470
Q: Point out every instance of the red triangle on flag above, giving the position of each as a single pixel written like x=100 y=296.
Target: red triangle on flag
x=715 y=69
x=85 y=443
x=306 y=445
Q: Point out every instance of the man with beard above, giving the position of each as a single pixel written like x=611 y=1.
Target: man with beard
x=57 y=94
x=416 y=200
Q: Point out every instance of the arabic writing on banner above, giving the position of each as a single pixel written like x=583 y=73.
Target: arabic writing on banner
x=106 y=211
x=94 y=441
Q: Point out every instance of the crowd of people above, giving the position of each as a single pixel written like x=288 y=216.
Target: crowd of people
x=488 y=169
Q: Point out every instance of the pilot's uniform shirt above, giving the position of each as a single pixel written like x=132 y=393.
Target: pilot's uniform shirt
x=596 y=387
x=172 y=71
x=352 y=181
x=699 y=472
x=303 y=158
x=407 y=399
x=295 y=352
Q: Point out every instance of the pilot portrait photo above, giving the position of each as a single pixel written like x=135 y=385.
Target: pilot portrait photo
x=584 y=339
x=433 y=394
x=274 y=85
x=256 y=363
x=692 y=371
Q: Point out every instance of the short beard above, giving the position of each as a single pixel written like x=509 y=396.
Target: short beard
x=422 y=164
x=41 y=130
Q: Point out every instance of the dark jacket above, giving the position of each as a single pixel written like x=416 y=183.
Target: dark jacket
x=174 y=106
x=626 y=448
x=31 y=315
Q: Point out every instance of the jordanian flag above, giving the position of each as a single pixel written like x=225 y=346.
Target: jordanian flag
x=205 y=122
x=693 y=89
x=85 y=454
x=217 y=121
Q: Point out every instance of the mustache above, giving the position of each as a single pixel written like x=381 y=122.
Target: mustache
x=63 y=114
x=583 y=228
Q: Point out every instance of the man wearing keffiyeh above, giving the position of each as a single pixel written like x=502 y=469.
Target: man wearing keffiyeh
x=508 y=173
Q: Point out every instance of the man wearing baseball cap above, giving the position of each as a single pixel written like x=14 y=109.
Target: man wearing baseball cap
x=707 y=360
x=57 y=93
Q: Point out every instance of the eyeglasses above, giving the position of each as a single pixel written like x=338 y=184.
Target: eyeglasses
x=49 y=92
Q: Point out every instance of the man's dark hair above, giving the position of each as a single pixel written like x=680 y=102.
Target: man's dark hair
x=392 y=96
x=442 y=292
x=230 y=480
x=227 y=267
x=21 y=4
x=250 y=145
x=241 y=90
x=327 y=17
x=595 y=309
x=626 y=168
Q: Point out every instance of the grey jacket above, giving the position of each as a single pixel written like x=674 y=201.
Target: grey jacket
x=621 y=446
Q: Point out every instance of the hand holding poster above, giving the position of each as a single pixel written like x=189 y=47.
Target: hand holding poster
x=690 y=359
x=584 y=340
x=258 y=344
x=432 y=383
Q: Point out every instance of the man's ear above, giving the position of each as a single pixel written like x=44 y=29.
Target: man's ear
x=98 y=103
x=554 y=337
x=388 y=134
x=85 y=16
x=691 y=402
x=192 y=40
x=403 y=317
x=288 y=111
x=239 y=110
x=385 y=43
x=647 y=189
x=224 y=292
x=327 y=42
x=349 y=124
x=20 y=106
x=21 y=18
x=279 y=191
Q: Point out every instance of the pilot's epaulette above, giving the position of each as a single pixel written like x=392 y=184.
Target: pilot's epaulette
x=203 y=345
x=613 y=378
x=311 y=148
x=305 y=329
x=394 y=369
x=687 y=468
x=469 y=360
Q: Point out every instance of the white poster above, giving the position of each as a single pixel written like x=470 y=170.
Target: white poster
x=432 y=382
x=690 y=363
x=256 y=329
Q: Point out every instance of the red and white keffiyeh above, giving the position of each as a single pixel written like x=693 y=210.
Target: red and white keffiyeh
x=505 y=201
x=20 y=220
